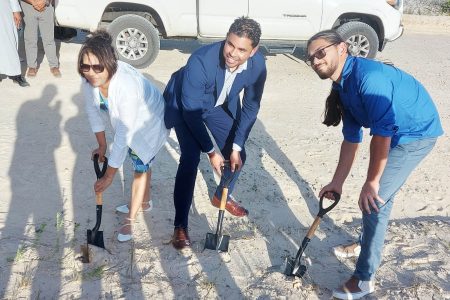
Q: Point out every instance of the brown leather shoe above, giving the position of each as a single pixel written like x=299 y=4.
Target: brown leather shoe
x=32 y=72
x=55 y=71
x=180 y=238
x=232 y=206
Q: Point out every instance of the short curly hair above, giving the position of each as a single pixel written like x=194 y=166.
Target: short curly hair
x=246 y=27
x=100 y=45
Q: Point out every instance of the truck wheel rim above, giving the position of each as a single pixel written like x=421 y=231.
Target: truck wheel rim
x=132 y=44
x=358 y=45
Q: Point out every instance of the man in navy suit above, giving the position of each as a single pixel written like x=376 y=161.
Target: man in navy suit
x=204 y=95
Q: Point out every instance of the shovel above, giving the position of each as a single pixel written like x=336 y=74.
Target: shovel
x=95 y=237
x=293 y=267
x=219 y=241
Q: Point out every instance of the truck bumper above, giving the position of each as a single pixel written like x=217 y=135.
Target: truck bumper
x=398 y=35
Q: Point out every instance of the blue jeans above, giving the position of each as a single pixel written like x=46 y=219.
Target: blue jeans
x=402 y=160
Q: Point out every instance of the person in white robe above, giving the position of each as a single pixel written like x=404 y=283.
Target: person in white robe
x=10 y=20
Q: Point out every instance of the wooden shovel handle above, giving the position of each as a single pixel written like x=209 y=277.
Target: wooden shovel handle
x=313 y=227
x=99 y=198
x=223 y=200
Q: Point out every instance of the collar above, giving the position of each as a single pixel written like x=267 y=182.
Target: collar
x=346 y=71
x=239 y=69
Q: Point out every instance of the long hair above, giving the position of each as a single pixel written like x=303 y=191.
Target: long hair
x=333 y=106
x=333 y=109
x=99 y=44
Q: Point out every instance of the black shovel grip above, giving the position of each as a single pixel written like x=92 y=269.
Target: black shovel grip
x=99 y=172
x=323 y=210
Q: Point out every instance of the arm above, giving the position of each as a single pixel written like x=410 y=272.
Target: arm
x=346 y=159
x=193 y=97
x=379 y=150
x=250 y=108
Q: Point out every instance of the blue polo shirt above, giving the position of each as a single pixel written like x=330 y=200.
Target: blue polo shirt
x=387 y=100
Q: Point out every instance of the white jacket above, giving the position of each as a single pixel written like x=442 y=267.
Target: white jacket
x=136 y=111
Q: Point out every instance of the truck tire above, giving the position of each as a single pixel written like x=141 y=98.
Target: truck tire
x=362 y=40
x=135 y=39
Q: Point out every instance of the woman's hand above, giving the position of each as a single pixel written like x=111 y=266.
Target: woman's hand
x=369 y=196
x=101 y=151
x=103 y=183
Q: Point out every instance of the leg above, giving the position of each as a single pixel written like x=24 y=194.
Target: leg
x=184 y=184
x=139 y=192
x=30 y=34
x=46 y=28
x=223 y=128
x=186 y=174
x=402 y=160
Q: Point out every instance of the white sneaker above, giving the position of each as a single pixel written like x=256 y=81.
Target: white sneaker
x=347 y=251
x=124 y=209
x=346 y=293
x=126 y=237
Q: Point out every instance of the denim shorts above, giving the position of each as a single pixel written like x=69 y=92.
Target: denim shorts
x=138 y=165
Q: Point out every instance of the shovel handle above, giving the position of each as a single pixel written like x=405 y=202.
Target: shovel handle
x=223 y=200
x=313 y=227
x=99 y=172
x=99 y=199
x=322 y=210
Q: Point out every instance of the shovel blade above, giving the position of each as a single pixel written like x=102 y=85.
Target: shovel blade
x=95 y=238
x=290 y=268
x=217 y=242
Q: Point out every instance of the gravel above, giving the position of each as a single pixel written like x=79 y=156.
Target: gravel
x=427 y=7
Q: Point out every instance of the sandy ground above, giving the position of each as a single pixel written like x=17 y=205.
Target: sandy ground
x=47 y=200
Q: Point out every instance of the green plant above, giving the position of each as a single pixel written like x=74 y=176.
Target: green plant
x=445 y=7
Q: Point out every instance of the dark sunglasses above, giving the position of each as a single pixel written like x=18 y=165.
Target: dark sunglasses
x=319 y=54
x=96 y=68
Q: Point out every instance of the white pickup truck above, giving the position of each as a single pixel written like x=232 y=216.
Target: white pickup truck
x=138 y=25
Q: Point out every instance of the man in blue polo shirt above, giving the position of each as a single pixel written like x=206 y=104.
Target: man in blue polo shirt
x=404 y=125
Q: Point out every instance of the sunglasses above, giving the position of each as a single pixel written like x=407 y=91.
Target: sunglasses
x=96 y=68
x=319 y=54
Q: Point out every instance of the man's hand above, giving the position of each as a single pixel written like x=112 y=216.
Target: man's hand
x=235 y=161
x=217 y=162
x=17 y=18
x=39 y=5
x=331 y=187
x=103 y=183
x=369 y=194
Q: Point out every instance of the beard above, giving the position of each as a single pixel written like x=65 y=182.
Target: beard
x=325 y=71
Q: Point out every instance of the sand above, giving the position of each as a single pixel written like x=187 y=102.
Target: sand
x=47 y=201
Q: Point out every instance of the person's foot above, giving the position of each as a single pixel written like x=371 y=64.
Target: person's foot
x=32 y=72
x=126 y=231
x=180 y=238
x=354 y=289
x=347 y=251
x=20 y=80
x=124 y=209
x=55 y=71
x=232 y=206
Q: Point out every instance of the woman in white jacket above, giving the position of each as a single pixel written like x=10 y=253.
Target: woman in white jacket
x=136 y=110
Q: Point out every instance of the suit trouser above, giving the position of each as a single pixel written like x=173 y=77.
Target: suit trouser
x=44 y=23
x=223 y=128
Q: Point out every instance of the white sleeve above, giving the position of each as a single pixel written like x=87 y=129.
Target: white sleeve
x=127 y=101
x=92 y=111
x=15 y=6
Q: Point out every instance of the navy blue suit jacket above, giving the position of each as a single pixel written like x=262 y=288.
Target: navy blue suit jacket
x=193 y=90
